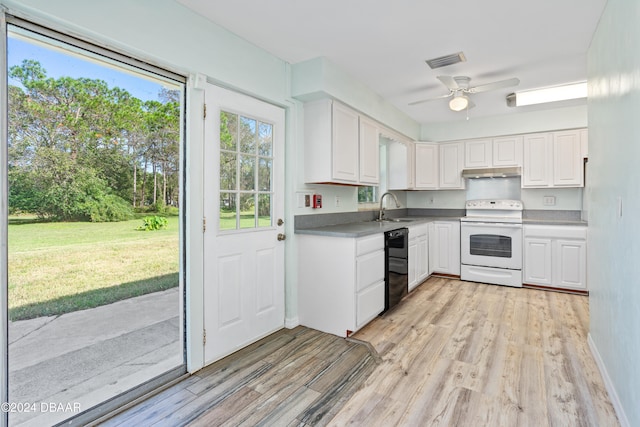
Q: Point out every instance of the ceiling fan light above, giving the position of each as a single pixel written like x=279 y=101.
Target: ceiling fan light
x=459 y=103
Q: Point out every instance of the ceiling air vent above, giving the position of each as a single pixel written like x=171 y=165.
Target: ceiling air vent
x=443 y=61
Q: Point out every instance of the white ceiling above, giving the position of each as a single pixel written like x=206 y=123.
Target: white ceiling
x=385 y=44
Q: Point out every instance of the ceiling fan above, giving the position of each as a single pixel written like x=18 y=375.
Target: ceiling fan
x=460 y=90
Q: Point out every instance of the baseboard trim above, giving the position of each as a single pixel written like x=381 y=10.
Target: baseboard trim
x=551 y=288
x=613 y=395
x=445 y=275
x=292 y=322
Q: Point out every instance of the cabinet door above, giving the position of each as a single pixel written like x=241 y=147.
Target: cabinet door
x=571 y=264
x=537 y=261
x=344 y=144
x=398 y=172
x=536 y=168
x=369 y=269
x=369 y=152
x=369 y=303
x=426 y=161
x=478 y=153
x=451 y=165
x=431 y=242
x=507 y=151
x=567 y=159
x=423 y=259
x=446 y=248
x=413 y=263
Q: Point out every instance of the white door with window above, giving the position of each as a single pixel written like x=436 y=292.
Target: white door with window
x=243 y=207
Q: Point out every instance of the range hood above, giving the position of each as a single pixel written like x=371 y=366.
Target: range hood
x=492 y=172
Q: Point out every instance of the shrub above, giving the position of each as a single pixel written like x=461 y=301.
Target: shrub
x=109 y=208
x=151 y=223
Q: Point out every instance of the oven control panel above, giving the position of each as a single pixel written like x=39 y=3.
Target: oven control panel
x=503 y=205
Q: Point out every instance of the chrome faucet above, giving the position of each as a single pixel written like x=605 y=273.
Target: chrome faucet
x=381 y=214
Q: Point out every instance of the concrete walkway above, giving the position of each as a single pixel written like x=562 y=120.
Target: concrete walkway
x=79 y=359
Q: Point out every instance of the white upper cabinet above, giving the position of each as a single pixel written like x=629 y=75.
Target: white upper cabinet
x=340 y=145
x=344 y=146
x=439 y=166
x=401 y=166
x=369 y=152
x=536 y=170
x=496 y=152
x=478 y=153
x=554 y=159
x=427 y=164
x=567 y=159
x=451 y=165
x=507 y=151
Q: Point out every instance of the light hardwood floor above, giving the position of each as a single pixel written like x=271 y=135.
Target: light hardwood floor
x=466 y=354
x=451 y=354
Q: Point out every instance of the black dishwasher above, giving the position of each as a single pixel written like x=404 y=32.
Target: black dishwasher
x=396 y=277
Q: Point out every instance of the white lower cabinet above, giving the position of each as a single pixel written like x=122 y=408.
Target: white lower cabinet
x=555 y=256
x=444 y=256
x=341 y=282
x=418 y=255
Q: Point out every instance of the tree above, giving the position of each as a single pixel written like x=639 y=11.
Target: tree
x=76 y=145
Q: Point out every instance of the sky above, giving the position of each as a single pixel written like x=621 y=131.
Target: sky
x=58 y=64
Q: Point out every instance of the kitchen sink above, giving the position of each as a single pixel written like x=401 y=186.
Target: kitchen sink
x=393 y=220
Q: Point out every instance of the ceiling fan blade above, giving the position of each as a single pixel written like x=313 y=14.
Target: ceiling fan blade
x=495 y=85
x=431 y=99
x=449 y=82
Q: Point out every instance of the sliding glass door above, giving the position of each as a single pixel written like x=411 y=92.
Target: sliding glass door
x=92 y=225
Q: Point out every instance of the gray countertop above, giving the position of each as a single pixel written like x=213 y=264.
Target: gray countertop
x=365 y=228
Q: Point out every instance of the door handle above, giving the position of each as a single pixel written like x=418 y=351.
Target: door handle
x=281 y=237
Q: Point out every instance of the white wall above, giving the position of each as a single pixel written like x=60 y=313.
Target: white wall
x=614 y=248
x=510 y=124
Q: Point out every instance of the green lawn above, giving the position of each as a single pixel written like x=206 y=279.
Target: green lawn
x=56 y=268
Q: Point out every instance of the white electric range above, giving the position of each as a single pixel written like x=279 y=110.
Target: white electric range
x=491 y=242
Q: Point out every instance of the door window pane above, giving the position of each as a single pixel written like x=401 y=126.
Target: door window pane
x=264 y=174
x=266 y=139
x=247 y=210
x=228 y=131
x=264 y=210
x=228 y=205
x=247 y=135
x=246 y=172
x=228 y=166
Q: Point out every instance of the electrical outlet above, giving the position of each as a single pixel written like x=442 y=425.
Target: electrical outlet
x=307 y=200
x=549 y=200
x=337 y=201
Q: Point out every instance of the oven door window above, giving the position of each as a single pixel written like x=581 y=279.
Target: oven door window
x=491 y=245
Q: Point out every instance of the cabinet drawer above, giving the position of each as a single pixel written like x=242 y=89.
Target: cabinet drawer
x=369 y=269
x=369 y=303
x=556 y=232
x=364 y=245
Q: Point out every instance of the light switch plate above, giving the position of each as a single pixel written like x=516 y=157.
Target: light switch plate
x=549 y=200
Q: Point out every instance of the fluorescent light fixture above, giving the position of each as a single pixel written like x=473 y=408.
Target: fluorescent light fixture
x=459 y=103
x=548 y=94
